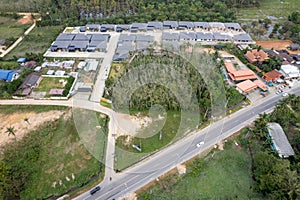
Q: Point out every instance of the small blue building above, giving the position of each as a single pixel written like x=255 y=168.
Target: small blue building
x=8 y=75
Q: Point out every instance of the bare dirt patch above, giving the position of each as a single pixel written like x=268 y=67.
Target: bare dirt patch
x=277 y=45
x=21 y=126
x=25 y=19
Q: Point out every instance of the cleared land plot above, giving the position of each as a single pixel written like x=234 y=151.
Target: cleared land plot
x=49 y=83
x=10 y=27
x=53 y=157
x=277 y=45
x=221 y=175
x=277 y=8
x=37 y=41
x=158 y=134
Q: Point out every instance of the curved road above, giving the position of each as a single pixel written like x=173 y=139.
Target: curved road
x=156 y=165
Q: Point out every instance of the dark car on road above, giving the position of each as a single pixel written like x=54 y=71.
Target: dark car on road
x=96 y=189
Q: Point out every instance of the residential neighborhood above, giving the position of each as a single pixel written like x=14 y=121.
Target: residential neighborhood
x=149 y=100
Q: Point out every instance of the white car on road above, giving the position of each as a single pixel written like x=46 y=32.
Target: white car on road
x=200 y=144
x=285 y=94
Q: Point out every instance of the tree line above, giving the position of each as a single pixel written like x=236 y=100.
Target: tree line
x=121 y=11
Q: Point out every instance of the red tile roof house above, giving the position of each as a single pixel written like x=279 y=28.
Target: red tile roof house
x=272 y=75
x=255 y=56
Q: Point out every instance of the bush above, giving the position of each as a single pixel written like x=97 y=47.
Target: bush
x=68 y=86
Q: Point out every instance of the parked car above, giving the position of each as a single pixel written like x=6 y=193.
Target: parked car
x=285 y=94
x=199 y=144
x=96 y=189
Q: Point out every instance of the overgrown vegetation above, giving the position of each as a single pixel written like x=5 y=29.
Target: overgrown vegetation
x=35 y=43
x=68 y=86
x=47 y=162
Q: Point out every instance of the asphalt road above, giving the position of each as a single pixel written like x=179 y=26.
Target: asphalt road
x=156 y=165
x=137 y=176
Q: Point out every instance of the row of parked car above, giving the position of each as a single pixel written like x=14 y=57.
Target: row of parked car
x=280 y=91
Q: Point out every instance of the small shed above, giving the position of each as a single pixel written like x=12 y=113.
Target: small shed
x=21 y=60
x=56 y=92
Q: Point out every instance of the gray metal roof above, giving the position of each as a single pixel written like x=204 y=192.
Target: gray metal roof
x=138 y=26
x=121 y=56
x=93 y=26
x=170 y=36
x=125 y=46
x=242 y=37
x=219 y=36
x=233 y=25
x=218 y=25
x=155 y=25
x=142 y=45
x=187 y=36
x=65 y=36
x=189 y=25
x=280 y=140
x=61 y=44
x=98 y=44
x=172 y=24
x=108 y=26
x=203 y=25
x=127 y=37
x=100 y=37
x=82 y=37
x=204 y=36
x=145 y=38
x=30 y=80
x=79 y=44
x=123 y=26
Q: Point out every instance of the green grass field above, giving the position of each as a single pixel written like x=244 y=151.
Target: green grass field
x=37 y=41
x=48 y=83
x=222 y=175
x=10 y=27
x=54 y=156
x=277 y=8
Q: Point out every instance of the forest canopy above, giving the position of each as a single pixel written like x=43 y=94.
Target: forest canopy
x=128 y=11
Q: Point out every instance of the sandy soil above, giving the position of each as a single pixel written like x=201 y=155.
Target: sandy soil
x=26 y=19
x=130 y=124
x=22 y=127
x=277 y=45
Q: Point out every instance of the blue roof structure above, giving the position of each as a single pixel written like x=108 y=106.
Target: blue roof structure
x=6 y=75
x=21 y=60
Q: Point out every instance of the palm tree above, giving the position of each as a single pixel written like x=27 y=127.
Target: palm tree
x=11 y=131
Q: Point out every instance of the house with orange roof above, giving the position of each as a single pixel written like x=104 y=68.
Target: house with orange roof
x=261 y=85
x=272 y=75
x=242 y=75
x=229 y=67
x=254 y=56
x=246 y=86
